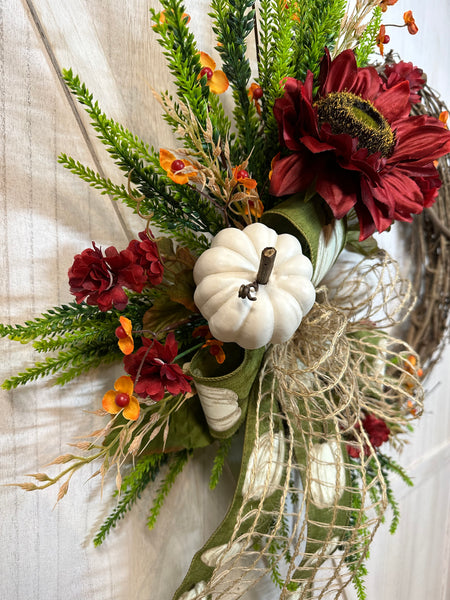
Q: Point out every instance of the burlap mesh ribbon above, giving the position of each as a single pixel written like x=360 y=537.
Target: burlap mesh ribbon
x=303 y=509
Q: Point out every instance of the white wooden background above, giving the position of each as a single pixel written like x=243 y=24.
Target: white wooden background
x=47 y=216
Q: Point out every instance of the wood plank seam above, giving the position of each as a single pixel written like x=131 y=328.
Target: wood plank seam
x=34 y=17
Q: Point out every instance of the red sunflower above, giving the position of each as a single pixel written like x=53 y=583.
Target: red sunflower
x=356 y=144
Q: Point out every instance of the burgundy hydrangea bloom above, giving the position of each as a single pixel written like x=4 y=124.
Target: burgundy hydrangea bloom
x=123 y=267
x=356 y=145
x=99 y=279
x=147 y=256
x=157 y=373
x=377 y=431
x=90 y=279
x=403 y=71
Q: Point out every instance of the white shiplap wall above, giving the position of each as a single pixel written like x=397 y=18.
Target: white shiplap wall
x=47 y=216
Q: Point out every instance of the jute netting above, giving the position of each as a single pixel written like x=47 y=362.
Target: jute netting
x=305 y=511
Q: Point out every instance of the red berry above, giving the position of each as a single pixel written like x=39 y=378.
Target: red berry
x=206 y=71
x=387 y=39
x=257 y=93
x=121 y=333
x=177 y=165
x=242 y=174
x=122 y=399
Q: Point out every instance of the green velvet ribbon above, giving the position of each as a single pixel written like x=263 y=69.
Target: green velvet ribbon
x=201 y=572
x=225 y=385
x=308 y=221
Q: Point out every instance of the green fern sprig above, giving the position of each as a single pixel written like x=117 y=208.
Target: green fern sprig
x=276 y=52
x=233 y=22
x=69 y=364
x=58 y=319
x=389 y=464
x=176 y=465
x=368 y=38
x=174 y=208
x=106 y=186
x=182 y=56
x=219 y=461
x=145 y=471
x=317 y=27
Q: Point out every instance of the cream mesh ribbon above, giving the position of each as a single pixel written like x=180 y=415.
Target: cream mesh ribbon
x=307 y=511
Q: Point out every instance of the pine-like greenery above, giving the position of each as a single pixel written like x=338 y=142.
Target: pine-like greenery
x=83 y=336
x=176 y=465
x=316 y=27
x=219 y=461
x=182 y=54
x=144 y=472
x=368 y=38
x=233 y=22
x=176 y=209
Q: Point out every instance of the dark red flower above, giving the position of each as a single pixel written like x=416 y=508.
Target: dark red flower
x=355 y=143
x=403 y=71
x=147 y=256
x=99 y=279
x=90 y=279
x=153 y=372
x=125 y=270
x=377 y=431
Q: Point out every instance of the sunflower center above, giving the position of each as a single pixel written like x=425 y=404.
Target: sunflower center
x=348 y=113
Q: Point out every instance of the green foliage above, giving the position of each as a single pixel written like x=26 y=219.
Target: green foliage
x=219 y=461
x=316 y=28
x=145 y=471
x=69 y=364
x=178 y=461
x=116 y=192
x=233 y=22
x=84 y=336
x=275 y=62
x=182 y=56
x=368 y=38
x=176 y=209
x=388 y=464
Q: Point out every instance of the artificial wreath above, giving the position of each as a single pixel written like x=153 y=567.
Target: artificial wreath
x=260 y=305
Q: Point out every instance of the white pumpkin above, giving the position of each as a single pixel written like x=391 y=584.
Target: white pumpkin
x=277 y=307
x=327 y=473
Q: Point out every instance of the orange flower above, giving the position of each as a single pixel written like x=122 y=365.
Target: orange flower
x=443 y=117
x=217 y=81
x=123 y=332
x=382 y=39
x=215 y=349
x=215 y=346
x=162 y=18
x=255 y=93
x=255 y=207
x=242 y=177
x=121 y=398
x=410 y=22
x=175 y=167
x=410 y=366
x=385 y=3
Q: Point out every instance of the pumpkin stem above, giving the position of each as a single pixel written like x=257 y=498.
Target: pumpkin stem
x=262 y=277
x=266 y=265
